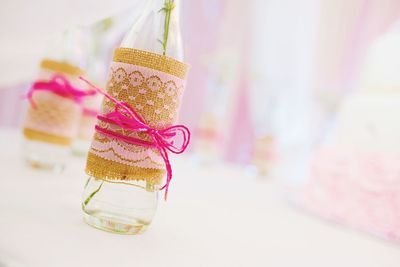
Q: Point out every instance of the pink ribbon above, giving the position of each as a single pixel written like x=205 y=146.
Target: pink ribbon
x=89 y=112
x=127 y=118
x=59 y=85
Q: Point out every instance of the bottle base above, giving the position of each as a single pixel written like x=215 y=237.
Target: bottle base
x=114 y=224
x=46 y=166
x=45 y=156
x=122 y=208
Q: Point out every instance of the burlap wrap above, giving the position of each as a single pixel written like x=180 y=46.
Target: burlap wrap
x=151 y=84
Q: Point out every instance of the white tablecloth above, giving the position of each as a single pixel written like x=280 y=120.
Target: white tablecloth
x=215 y=216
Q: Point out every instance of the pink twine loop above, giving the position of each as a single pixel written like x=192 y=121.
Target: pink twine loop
x=128 y=119
x=59 y=85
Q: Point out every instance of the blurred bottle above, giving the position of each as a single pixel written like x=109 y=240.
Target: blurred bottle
x=94 y=71
x=87 y=122
x=51 y=125
x=128 y=206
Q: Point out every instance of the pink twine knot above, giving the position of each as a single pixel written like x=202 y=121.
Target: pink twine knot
x=59 y=85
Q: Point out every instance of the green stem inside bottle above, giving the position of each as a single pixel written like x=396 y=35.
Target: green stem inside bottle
x=169 y=5
x=87 y=200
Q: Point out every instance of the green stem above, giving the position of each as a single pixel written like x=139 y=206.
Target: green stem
x=169 y=5
x=87 y=200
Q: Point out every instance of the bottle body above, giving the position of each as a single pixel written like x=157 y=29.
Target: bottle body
x=127 y=203
x=120 y=207
x=51 y=121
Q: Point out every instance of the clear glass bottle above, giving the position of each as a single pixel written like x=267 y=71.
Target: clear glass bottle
x=46 y=145
x=128 y=207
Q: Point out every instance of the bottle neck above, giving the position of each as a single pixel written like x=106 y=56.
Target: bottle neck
x=70 y=47
x=148 y=33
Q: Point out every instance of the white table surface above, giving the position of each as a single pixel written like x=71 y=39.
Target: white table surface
x=215 y=216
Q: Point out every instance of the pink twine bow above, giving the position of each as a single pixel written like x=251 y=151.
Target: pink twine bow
x=127 y=118
x=59 y=85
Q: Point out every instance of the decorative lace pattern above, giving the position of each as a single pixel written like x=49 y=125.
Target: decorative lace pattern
x=54 y=118
x=156 y=96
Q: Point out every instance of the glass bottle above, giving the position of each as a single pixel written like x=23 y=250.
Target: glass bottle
x=49 y=129
x=126 y=206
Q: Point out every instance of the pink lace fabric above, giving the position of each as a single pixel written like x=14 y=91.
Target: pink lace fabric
x=131 y=155
x=359 y=189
